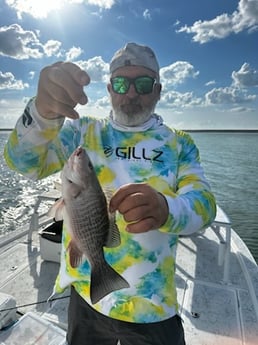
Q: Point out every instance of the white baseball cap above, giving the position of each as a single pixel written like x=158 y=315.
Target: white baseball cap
x=133 y=54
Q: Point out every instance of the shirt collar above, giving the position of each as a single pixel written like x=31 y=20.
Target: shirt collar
x=153 y=122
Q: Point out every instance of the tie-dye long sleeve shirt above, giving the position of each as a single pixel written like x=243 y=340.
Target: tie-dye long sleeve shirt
x=166 y=159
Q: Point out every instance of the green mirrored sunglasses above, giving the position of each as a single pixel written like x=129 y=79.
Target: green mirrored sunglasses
x=143 y=84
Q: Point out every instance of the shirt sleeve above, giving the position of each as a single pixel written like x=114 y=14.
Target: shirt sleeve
x=37 y=147
x=192 y=206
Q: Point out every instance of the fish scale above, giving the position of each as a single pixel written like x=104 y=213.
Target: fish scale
x=83 y=207
x=93 y=216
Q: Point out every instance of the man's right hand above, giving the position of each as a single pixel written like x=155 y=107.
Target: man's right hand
x=60 y=89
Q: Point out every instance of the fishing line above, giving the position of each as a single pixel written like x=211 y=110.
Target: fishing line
x=35 y=303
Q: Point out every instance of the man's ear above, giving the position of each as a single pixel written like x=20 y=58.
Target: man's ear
x=109 y=87
x=158 y=88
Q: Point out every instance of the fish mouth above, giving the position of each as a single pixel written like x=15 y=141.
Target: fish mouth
x=75 y=159
x=78 y=156
x=78 y=151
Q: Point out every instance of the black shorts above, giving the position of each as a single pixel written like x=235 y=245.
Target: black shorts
x=88 y=327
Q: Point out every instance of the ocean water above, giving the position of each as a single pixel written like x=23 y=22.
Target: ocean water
x=17 y=194
x=230 y=161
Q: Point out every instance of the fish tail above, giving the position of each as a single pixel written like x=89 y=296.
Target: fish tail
x=104 y=280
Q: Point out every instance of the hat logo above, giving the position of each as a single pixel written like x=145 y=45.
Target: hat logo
x=127 y=62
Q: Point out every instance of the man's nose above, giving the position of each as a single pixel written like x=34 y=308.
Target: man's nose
x=132 y=93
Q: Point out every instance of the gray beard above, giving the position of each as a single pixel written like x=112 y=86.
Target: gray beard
x=134 y=120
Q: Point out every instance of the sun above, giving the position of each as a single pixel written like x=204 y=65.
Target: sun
x=38 y=8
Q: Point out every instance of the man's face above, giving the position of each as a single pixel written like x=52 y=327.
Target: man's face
x=131 y=108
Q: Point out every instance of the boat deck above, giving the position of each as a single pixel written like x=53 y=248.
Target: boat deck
x=217 y=311
x=216 y=276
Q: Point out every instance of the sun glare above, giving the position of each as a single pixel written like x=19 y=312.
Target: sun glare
x=40 y=8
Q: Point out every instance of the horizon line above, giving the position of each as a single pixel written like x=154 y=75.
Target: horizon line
x=189 y=129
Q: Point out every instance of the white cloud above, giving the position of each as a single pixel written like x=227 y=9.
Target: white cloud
x=228 y=95
x=99 y=108
x=211 y=82
x=52 y=48
x=179 y=100
x=241 y=110
x=41 y=8
x=244 y=18
x=177 y=73
x=245 y=77
x=73 y=53
x=96 y=67
x=103 y=102
x=31 y=75
x=10 y=110
x=8 y=82
x=232 y=96
x=20 y=44
x=247 y=16
x=107 y=4
x=236 y=94
x=147 y=14
x=37 y=9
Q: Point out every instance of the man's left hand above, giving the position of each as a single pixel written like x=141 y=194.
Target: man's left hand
x=142 y=207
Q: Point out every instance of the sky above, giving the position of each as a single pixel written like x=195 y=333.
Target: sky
x=207 y=51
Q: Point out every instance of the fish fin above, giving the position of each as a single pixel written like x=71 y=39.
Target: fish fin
x=108 y=191
x=75 y=255
x=104 y=280
x=56 y=210
x=113 y=237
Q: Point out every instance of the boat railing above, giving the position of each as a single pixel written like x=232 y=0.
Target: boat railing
x=39 y=220
x=221 y=226
x=223 y=222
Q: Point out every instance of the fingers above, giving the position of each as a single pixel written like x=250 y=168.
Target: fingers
x=60 y=89
x=142 y=207
x=123 y=192
x=141 y=226
x=132 y=206
x=71 y=79
x=79 y=75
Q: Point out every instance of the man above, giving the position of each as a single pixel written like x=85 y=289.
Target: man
x=159 y=192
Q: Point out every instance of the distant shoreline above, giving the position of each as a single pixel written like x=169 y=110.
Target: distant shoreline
x=223 y=130
x=190 y=130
